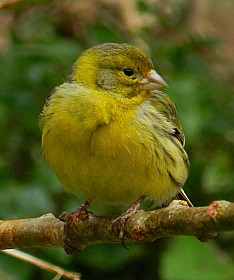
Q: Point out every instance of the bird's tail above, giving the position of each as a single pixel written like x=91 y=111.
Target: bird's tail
x=183 y=196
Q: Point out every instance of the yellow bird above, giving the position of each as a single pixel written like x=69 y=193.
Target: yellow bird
x=110 y=135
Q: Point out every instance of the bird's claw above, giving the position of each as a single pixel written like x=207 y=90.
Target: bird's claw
x=71 y=219
x=121 y=220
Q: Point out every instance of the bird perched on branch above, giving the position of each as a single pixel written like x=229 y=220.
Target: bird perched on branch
x=110 y=135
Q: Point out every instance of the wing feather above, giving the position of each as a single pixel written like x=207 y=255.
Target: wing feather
x=165 y=106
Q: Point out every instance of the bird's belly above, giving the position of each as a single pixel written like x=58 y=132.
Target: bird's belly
x=111 y=166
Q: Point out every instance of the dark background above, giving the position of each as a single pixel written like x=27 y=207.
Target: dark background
x=191 y=44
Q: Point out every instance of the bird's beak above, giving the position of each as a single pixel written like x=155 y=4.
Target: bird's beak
x=154 y=81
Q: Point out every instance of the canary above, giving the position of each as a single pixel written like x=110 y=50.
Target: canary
x=110 y=135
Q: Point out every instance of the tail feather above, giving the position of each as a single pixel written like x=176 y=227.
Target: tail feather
x=183 y=196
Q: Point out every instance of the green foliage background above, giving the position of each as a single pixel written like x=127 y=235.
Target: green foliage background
x=43 y=41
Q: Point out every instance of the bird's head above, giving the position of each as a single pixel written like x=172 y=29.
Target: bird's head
x=122 y=69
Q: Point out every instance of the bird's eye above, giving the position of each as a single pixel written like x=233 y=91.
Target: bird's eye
x=128 y=72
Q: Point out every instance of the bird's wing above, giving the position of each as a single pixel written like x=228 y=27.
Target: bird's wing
x=165 y=105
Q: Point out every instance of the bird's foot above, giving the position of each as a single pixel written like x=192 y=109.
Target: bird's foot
x=70 y=220
x=79 y=215
x=121 y=220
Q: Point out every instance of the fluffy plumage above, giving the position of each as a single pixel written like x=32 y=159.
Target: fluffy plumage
x=110 y=135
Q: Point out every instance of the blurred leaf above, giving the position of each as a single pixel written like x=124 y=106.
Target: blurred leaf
x=21 y=271
x=189 y=259
x=110 y=257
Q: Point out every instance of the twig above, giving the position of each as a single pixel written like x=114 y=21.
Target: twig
x=6 y=3
x=42 y=264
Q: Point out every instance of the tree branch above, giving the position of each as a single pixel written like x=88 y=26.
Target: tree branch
x=176 y=219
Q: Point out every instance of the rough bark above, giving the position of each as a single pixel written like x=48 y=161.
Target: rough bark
x=79 y=231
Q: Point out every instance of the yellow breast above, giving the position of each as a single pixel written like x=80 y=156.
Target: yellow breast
x=105 y=152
